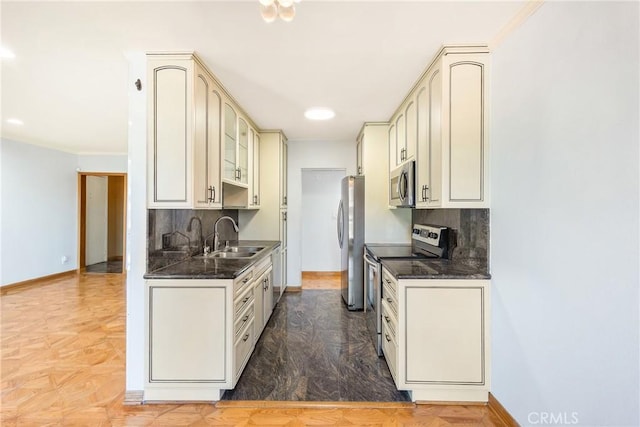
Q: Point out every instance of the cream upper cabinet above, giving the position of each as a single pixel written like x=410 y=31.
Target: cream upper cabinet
x=393 y=147
x=446 y=123
x=170 y=131
x=230 y=143
x=401 y=141
x=410 y=131
x=402 y=134
x=254 y=165
x=429 y=141
x=465 y=125
x=198 y=139
x=207 y=178
x=241 y=182
x=236 y=147
x=243 y=151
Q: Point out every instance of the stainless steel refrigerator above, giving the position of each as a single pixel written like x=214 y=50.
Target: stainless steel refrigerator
x=350 y=225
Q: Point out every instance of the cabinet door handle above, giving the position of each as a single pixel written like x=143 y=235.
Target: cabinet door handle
x=284 y=200
x=255 y=199
x=238 y=174
x=386 y=336
x=246 y=337
x=386 y=318
x=388 y=282
x=245 y=318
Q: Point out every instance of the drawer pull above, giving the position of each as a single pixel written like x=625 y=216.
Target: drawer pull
x=245 y=318
x=387 y=319
x=245 y=280
x=388 y=282
x=386 y=336
x=245 y=299
x=389 y=300
x=246 y=337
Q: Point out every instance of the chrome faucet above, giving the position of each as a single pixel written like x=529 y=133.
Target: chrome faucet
x=216 y=235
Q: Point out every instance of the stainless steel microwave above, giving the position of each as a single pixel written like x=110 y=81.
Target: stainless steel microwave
x=402 y=186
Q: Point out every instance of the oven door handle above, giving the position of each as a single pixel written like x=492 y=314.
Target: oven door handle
x=369 y=261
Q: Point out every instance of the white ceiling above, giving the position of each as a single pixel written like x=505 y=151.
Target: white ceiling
x=69 y=82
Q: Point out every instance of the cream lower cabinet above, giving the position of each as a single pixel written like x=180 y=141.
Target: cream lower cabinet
x=437 y=343
x=263 y=296
x=199 y=336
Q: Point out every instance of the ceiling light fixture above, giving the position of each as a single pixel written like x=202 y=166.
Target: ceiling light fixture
x=319 y=113
x=16 y=122
x=271 y=9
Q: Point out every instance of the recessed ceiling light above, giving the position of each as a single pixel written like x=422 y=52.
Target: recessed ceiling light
x=319 y=113
x=16 y=122
x=6 y=53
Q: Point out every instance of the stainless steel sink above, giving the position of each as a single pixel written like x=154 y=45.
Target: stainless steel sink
x=234 y=252
x=238 y=249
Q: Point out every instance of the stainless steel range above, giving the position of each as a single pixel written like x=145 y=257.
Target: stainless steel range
x=427 y=241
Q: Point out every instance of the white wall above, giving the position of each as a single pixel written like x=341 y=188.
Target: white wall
x=102 y=163
x=320 y=196
x=565 y=216
x=39 y=212
x=136 y=223
x=309 y=155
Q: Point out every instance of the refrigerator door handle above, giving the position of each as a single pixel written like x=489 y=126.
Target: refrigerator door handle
x=340 y=223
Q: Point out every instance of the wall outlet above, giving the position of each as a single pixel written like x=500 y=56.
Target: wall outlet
x=64 y=259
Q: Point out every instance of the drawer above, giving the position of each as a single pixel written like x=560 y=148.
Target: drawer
x=390 y=319
x=242 y=302
x=390 y=350
x=242 y=283
x=390 y=298
x=242 y=348
x=262 y=267
x=390 y=281
x=244 y=318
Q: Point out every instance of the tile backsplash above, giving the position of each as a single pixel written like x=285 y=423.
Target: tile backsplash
x=164 y=221
x=469 y=239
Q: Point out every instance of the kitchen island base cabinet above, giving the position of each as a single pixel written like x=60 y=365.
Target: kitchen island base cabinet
x=200 y=333
x=187 y=327
x=437 y=345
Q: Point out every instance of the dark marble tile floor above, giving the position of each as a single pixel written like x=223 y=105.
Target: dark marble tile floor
x=105 y=267
x=314 y=349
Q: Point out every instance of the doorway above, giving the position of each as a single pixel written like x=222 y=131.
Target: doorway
x=320 y=255
x=101 y=219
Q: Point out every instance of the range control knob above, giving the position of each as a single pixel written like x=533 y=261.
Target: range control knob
x=433 y=235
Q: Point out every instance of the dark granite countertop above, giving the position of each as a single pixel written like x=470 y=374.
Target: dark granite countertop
x=213 y=268
x=434 y=269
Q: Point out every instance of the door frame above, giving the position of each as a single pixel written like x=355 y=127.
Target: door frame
x=82 y=216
